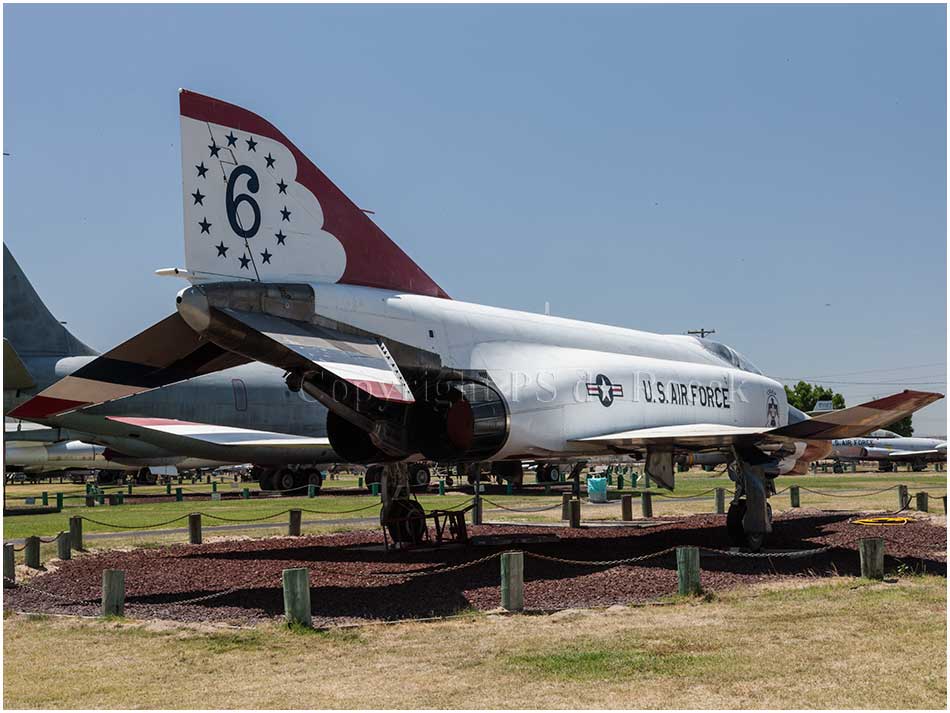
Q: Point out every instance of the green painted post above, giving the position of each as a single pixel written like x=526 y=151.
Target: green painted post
x=547 y=488
x=441 y=487
x=168 y=487
x=128 y=488
x=871 y=552
x=374 y=488
x=194 y=528
x=31 y=555
x=179 y=496
x=101 y=498
x=795 y=496
x=626 y=508
x=512 y=581
x=75 y=532
x=687 y=570
x=509 y=488
x=720 y=501
x=646 y=504
x=246 y=493
x=63 y=548
x=311 y=491
x=214 y=487
x=359 y=482
x=59 y=501
x=9 y=566
x=88 y=488
x=619 y=481
x=634 y=477
x=113 y=592
x=923 y=502
x=120 y=498
x=44 y=496
x=293 y=527
x=297 y=596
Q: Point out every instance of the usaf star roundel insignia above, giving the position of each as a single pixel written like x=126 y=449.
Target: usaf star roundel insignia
x=604 y=390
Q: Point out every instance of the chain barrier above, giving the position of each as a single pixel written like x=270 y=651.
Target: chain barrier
x=339 y=512
x=855 y=495
x=438 y=570
x=249 y=519
x=207 y=597
x=133 y=527
x=689 y=497
x=601 y=563
x=795 y=554
x=499 y=505
x=53 y=595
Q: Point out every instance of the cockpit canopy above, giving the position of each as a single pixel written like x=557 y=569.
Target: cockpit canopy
x=729 y=355
x=883 y=433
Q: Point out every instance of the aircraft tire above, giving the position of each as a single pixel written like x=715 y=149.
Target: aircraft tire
x=312 y=476
x=734 y=523
x=553 y=474
x=405 y=521
x=284 y=479
x=266 y=479
x=419 y=478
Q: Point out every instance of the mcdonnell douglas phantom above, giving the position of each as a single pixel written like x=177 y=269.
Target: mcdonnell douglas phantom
x=287 y=271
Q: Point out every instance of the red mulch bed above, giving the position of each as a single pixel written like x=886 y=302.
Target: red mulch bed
x=352 y=580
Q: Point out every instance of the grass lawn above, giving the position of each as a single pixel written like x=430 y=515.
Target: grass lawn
x=835 y=643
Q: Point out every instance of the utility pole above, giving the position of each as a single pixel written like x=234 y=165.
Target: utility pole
x=701 y=332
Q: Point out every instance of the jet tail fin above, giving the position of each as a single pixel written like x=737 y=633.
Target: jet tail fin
x=27 y=323
x=256 y=208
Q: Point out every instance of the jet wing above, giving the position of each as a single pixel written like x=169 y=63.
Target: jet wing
x=913 y=455
x=843 y=423
x=212 y=434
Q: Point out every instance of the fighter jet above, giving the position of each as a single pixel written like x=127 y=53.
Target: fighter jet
x=889 y=448
x=288 y=271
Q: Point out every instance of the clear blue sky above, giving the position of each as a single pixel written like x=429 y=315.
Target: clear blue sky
x=775 y=172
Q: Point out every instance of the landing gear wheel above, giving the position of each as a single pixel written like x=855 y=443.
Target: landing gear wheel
x=554 y=474
x=374 y=474
x=405 y=520
x=541 y=474
x=284 y=480
x=419 y=478
x=266 y=479
x=145 y=476
x=312 y=476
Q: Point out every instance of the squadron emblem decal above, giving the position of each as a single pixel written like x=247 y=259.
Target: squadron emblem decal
x=604 y=390
x=771 y=409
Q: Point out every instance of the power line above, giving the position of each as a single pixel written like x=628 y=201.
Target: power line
x=873 y=383
x=872 y=371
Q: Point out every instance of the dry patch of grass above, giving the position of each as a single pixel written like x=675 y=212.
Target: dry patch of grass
x=838 y=643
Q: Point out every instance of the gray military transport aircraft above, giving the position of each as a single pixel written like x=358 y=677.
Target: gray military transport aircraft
x=287 y=271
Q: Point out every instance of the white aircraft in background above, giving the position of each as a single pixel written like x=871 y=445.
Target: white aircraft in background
x=889 y=448
x=286 y=270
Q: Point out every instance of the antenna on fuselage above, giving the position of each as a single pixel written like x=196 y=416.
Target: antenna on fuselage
x=701 y=333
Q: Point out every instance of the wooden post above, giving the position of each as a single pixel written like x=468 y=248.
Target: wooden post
x=565 y=506
x=626 y=508
x=923 y=502
x=297 y=596
x=75 y=532
x=63 y=549
x=575 y=513
x=59 y=501
x=871 y=551
x=293 y=527
x=687 y=570
x=31 y=555
x=128 y=489
x=646 y=504
x=194 y=528
x=944 y=504
x=113 y=499
x=795 y=496
x=113 y=592
x=512 y=581
x=720 y=501
x=903 y=499
x=9 y=565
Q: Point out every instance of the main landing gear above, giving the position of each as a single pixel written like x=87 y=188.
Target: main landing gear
x=287 y=479
x=749 y=519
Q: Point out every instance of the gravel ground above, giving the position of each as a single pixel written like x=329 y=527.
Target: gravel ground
x=353 y=579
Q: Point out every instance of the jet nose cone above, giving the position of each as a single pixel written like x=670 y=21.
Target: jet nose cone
x=194 y=309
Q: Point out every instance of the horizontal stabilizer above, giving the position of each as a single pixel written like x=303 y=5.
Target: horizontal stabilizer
x=363 y=362
x=859 y=420
x=165 y=353
x=224 y=435
x=689 y=436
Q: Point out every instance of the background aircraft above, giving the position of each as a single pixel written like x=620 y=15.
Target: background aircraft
x=889 y=449
x=287 y=271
